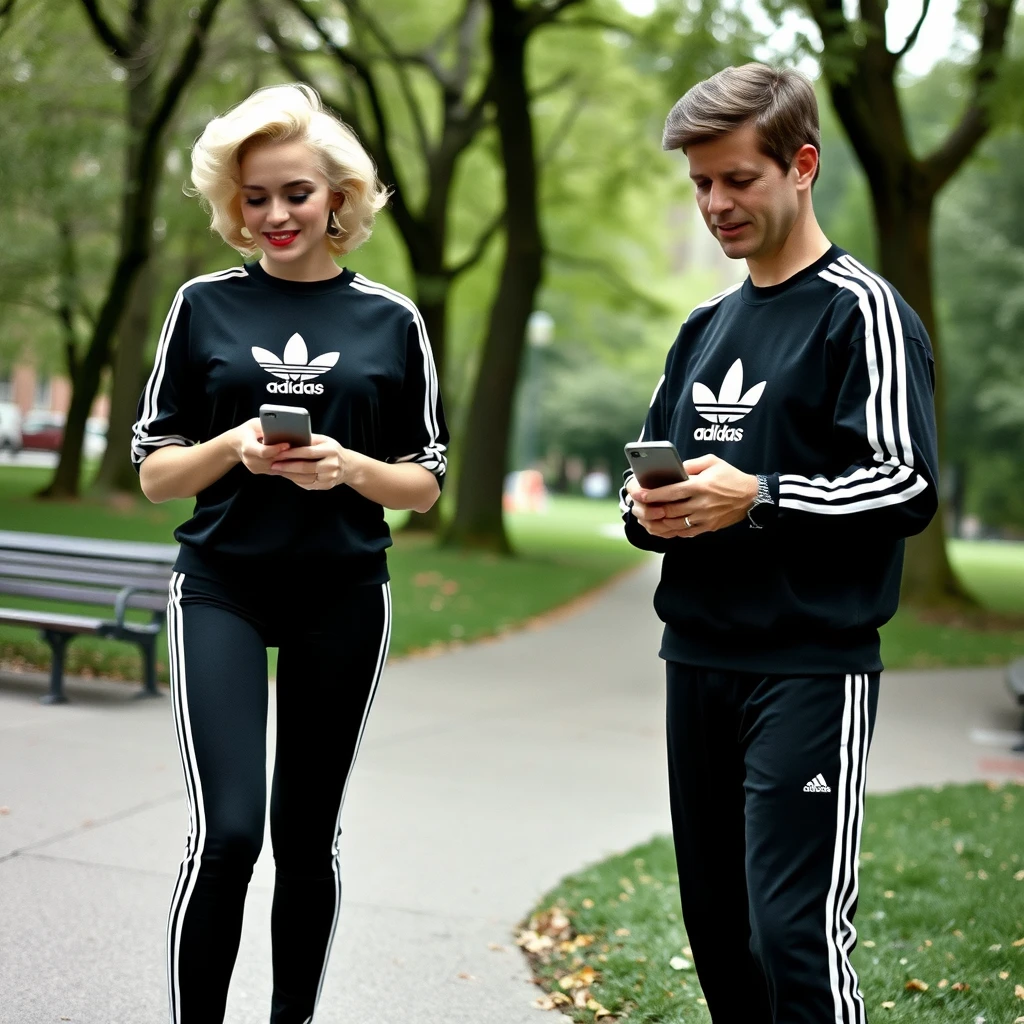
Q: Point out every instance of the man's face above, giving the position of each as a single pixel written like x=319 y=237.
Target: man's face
x=748 y=201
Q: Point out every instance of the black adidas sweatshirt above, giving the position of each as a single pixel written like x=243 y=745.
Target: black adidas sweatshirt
x=824 y=384
x=352 y=352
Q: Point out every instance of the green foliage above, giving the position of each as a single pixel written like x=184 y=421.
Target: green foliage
x=980 y=270
x=941 y=905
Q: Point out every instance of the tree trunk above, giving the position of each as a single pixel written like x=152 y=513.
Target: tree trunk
x=135 y=242
x=116 y=473
x=139 y=53
x=903 y=219
x=478 y=521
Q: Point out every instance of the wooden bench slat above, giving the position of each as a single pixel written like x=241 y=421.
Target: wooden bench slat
x=85 y=563
x=155 y=582
x=123 y=550
x=63 y=622
x=80 y=594
x=60 y=621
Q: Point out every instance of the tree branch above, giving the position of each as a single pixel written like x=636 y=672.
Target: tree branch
x=289 y=58
x=561 y=133
x=828 y=15
x=593 y=21
x=944 y=162
x=479 y=248
x=386 y=167
x=398 y=62
x=610 y=274
x=466 y=39
x=182 y=74
x=915 y=32
x=108 y=37
x=6 y=15
x=557 y=83
x=542 y=12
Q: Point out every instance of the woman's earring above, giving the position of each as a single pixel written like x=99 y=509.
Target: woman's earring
x=334 y=228
x=245 y=233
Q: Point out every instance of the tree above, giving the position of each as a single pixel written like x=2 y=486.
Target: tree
x=861 y=71
x=137 y=51
x=478 y=520
x=436 y=94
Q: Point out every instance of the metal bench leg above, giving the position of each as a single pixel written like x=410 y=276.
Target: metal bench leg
x=58 y=644
x=148 y=648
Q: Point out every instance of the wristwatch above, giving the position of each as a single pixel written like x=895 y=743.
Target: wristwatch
x=758 y=512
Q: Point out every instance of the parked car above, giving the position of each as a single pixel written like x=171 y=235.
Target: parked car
x=10 y=427
x=43 y=430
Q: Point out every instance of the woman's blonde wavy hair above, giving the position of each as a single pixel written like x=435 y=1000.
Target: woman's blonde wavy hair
x=285 y=113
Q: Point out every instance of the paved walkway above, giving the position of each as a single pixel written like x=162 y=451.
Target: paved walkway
x=485 y=775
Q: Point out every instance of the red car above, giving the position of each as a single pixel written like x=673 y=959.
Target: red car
x=42 y=430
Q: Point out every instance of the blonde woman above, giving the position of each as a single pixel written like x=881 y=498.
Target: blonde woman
x=286 y=546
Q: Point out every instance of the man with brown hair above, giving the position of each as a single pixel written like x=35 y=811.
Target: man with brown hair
x=801 y=402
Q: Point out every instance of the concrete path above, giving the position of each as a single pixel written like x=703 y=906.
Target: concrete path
x=485 y=776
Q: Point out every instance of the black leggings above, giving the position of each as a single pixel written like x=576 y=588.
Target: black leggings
x=767 y=777
x=332 y=652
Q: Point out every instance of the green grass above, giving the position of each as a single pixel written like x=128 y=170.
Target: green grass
x=439 y=597
x=941 y=902
x=993 y=572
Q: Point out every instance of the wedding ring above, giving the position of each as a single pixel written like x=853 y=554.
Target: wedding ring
x=686 y=519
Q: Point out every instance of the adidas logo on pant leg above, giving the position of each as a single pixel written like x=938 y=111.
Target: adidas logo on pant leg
x=818 y=785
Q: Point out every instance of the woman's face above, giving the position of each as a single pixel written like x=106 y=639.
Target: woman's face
x=285 y=205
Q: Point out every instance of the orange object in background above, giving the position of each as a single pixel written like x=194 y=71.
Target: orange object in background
x=525 y=491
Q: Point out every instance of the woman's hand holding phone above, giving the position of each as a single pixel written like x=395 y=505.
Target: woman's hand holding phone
x=319 y=466
x=247 y=441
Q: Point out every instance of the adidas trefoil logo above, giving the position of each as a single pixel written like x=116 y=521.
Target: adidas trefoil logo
x=818 y=785
x=296 y=370
x=730 y=405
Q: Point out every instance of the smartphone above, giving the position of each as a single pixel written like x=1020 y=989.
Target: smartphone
x=281 y=423
x=655 y=463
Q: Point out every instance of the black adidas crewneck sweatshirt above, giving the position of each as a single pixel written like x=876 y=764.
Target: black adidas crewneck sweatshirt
x=353 y=352
x=824 y=384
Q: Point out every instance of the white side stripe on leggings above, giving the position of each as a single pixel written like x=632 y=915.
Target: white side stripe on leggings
x=839 y=931
x=382 y=657
x=194 y=790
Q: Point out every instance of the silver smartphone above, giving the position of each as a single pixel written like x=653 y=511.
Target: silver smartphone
x=285 y=423
x=655 y=463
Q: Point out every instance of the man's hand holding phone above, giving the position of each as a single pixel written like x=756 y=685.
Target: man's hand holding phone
x=715 y=496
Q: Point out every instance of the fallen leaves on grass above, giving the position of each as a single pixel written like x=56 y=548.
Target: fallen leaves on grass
x=1019 y=942
x=583 y=978
x=551 y=1001
x=888 y=1004
x=960 y=986
x=1018 y=991
x=916 y=985
x=678 y=963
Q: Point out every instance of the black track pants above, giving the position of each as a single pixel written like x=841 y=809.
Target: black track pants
x=329 y=664
x=767 y=779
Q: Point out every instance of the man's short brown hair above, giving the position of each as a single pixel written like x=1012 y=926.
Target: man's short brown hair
x=779 y=102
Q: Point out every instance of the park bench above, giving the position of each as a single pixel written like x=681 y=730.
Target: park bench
x=87 y=571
